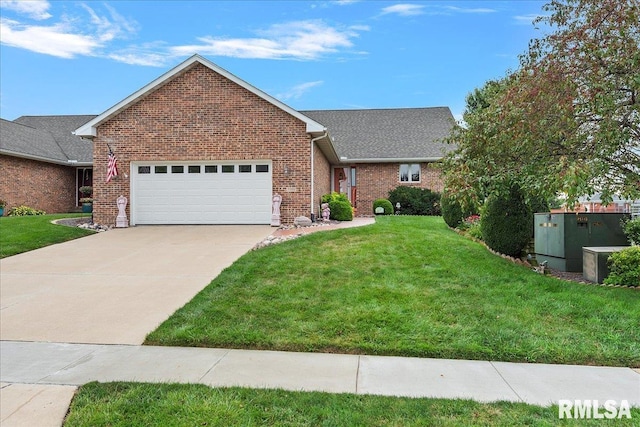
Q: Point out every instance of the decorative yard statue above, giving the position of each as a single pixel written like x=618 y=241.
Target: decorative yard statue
x=121 y=219
x=326 y=212
x=275 y=212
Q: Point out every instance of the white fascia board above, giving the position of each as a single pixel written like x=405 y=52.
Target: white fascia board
x=89 y=128
x=391 y=160
x=43 y=159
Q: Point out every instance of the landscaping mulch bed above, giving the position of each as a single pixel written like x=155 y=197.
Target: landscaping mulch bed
x=73 y=222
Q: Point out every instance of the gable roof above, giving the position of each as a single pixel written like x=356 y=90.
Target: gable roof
x=46 y=138
x=89 y=129
x=384 y=135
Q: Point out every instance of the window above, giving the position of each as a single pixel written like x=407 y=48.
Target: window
x=144 y=169
x=194 y=169
x=211 y=169
x=228 y=168
x=160 y=169
x=177 y=169
x=410 y=173
x=262 y=168
x=245 y=168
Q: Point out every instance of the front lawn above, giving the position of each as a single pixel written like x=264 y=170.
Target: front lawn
x=406 y=286
x=25 y=233
x=129 y=404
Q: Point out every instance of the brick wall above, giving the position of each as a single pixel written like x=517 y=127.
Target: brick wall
x=321 y=179
x=375 y=180
x=39 y=185
x=200 y=115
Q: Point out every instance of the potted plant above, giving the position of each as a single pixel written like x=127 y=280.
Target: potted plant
x=87 y=200
x=2 y=206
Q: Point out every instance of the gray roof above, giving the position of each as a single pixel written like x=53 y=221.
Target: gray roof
x=61 y=127
x=388 y=134
x=47 y=138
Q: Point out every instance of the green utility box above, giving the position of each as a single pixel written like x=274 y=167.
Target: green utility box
x=560 y=237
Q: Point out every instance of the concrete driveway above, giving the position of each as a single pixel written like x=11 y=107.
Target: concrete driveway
x=114 y=287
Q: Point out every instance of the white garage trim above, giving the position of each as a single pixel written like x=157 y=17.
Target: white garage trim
x=201 y=192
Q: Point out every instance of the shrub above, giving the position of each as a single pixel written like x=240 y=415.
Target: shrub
x=340 y=206
x=505 y=221
x=631 y=229
x=25 y=211
x=624 y=267
x=385 y=204
x=453 y=212
x=415 y=201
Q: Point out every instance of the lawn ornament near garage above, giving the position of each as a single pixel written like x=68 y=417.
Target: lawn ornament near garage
x=275 y=210
x=121 y=219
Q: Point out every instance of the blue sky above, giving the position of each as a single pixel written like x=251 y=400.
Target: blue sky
x=82 y=57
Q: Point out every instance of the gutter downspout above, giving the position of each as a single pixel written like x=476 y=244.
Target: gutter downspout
x=313 y=141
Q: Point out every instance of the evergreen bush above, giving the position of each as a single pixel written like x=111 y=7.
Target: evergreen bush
x=415 y=201
x=624 y=267
x=341 y=209
x=452 y=211
x=385 y=204
x=506 y=221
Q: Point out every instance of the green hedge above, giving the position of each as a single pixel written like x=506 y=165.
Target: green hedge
x=624 y=267
x=452 y=211
x=415 y=201
x=384 y=204
x=506 y=221
x=341 y=209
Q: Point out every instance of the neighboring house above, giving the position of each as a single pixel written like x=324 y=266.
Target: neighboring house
x=43 y=164
x=198 y=145
x=594 y=204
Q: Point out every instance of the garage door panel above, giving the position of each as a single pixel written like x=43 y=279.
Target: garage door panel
x=202 y=198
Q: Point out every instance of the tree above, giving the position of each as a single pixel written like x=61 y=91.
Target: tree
x=568 y=120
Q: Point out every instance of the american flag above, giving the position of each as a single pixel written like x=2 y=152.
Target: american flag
x=112 y=167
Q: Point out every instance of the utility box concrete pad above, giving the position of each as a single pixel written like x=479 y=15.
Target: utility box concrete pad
x=560 y=237
x=594 y=262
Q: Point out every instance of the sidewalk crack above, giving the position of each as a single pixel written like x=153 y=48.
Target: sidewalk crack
x=507 y=382
x=214 y=365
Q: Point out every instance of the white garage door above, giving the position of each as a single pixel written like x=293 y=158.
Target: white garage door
x=201 y=193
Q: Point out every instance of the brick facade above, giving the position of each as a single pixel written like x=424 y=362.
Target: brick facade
x=39 y=185
x=321 y=179
x=200 y=115
x=375 y=180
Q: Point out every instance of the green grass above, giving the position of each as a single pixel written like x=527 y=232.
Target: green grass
x=406 y=286
x=25 y=233
x=130 y=405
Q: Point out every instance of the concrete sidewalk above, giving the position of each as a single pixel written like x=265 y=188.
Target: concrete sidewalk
x=36 y=364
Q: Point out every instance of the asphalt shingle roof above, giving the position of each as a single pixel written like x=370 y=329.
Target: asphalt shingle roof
x=402 y=133
x=22 y=139
x=60 y=128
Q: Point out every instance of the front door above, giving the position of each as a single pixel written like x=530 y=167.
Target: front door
x=84 y=177
x=344 y=182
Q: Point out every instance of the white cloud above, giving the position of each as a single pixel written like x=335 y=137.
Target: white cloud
x=35 y=9
x=526 y=19
x=345 y=2
x=297 y=91
x=70 y=37
x=404 y=9
x=407 y=9
x=302 y=40
x=469 y=10
x=56 y=40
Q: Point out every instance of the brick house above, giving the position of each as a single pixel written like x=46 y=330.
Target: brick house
x=198 y=145
x=43 y=164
